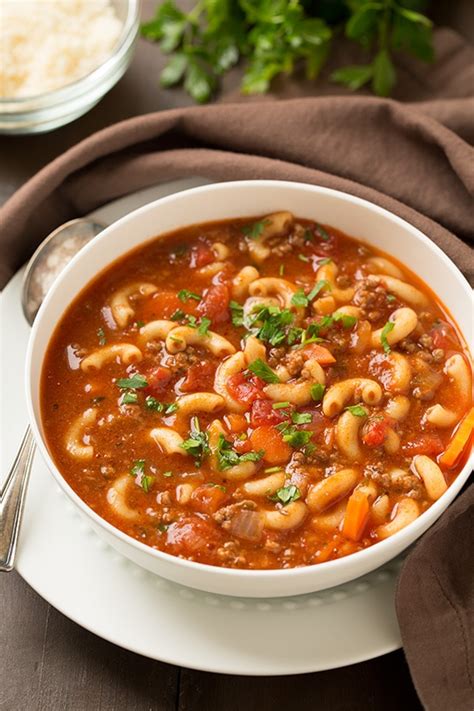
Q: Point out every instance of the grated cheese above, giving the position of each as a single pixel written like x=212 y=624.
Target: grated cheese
x=46 y=44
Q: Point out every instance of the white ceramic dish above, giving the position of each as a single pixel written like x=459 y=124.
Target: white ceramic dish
x=233 y=199
x=71 y=567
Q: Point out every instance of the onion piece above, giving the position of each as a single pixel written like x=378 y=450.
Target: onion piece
x=247 y=524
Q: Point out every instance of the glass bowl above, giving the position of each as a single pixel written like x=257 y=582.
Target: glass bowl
x=52 y=109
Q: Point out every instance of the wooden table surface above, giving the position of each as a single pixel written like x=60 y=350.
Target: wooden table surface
x=47 y=662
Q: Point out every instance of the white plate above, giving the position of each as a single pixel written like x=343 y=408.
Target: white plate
x=70 y=567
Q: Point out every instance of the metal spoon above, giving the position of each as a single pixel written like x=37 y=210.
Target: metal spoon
x=44 y=266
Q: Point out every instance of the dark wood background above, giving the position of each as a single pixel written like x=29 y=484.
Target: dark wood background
x=47 y=662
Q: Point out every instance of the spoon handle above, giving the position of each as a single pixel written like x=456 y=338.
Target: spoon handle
x=12 y=498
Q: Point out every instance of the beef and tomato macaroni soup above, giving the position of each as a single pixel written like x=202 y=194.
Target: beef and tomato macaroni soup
x=257 y=393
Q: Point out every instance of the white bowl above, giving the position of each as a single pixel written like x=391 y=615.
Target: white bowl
x=352 y=215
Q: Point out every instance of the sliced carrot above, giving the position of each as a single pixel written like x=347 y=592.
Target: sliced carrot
x=326 y=551
x=357 y=514
x=459 y=441
x=320 y=353
x=270 y=440
x=236 y=423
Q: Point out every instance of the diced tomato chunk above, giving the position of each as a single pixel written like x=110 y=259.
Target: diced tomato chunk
x=443 y=336
x=191 y=536
x=246 y=389
x=271 y=441
x=199 y=376
x=429 y=444
x=201 y=255
x=375 y=431
x=208 y=498
x=158 y=380
x=215 y=303
x=263 y=413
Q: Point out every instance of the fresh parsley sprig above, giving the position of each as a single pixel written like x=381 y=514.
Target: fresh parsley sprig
x=276 y=36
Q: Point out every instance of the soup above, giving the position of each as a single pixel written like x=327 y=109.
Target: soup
x=257 y=393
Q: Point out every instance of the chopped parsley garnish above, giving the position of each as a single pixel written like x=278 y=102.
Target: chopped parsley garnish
x=184 y=295
x=299 y=298
x=303 y=258
x=138 y=471
x=286 y=494
x=167 y=474
x=280 y=405
x=308 y=236
x=263 y=371
x=136 y=382
x=309 y=449
x=237 y=313
x=153 y=404
x=301 y=418
x=324 y=261
x=389 y=326
x=391 y=297
x=163 y=527
x=228 y=457
x=273 y=470
x=270 y=324
x=129 y=398
x=101 y=336
x=178 y=315
x=346 y=320
x=138 y=467
x=321 y=284
x=317 y=392
x=139 y=324
x=254 y=231
x=197 y=444
x=204 y=326
x=192 y=320
x=357 y=410
x=325 y=236
x=213 y=485
x=281 y=270
x=295 y=438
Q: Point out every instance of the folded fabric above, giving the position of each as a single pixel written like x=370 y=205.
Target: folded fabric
x=398 y=156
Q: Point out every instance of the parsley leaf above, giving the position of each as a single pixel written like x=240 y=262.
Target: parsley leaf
x=280 y=405
x=299 y=298
x=237 y=313
x=204 y=326
x=324 y=234
x=143 y=480
x=178 y=315
x=101 y=336
x=136 y=382
x=295 y=438
x=317 y=392
x=153 y=404
x=197 y=444
x=184 y=295
x=321 y=284
x=227 y=457
x=301 y=418
x=357 y=410
x=286 y=494
x=389 y=326
x=263 y=371
x=129 y=398
x=346 y=320
x=255 y=230
x=303 y=258
x=270 y=324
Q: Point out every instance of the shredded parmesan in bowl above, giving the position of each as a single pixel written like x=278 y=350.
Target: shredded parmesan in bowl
x=47 y=44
